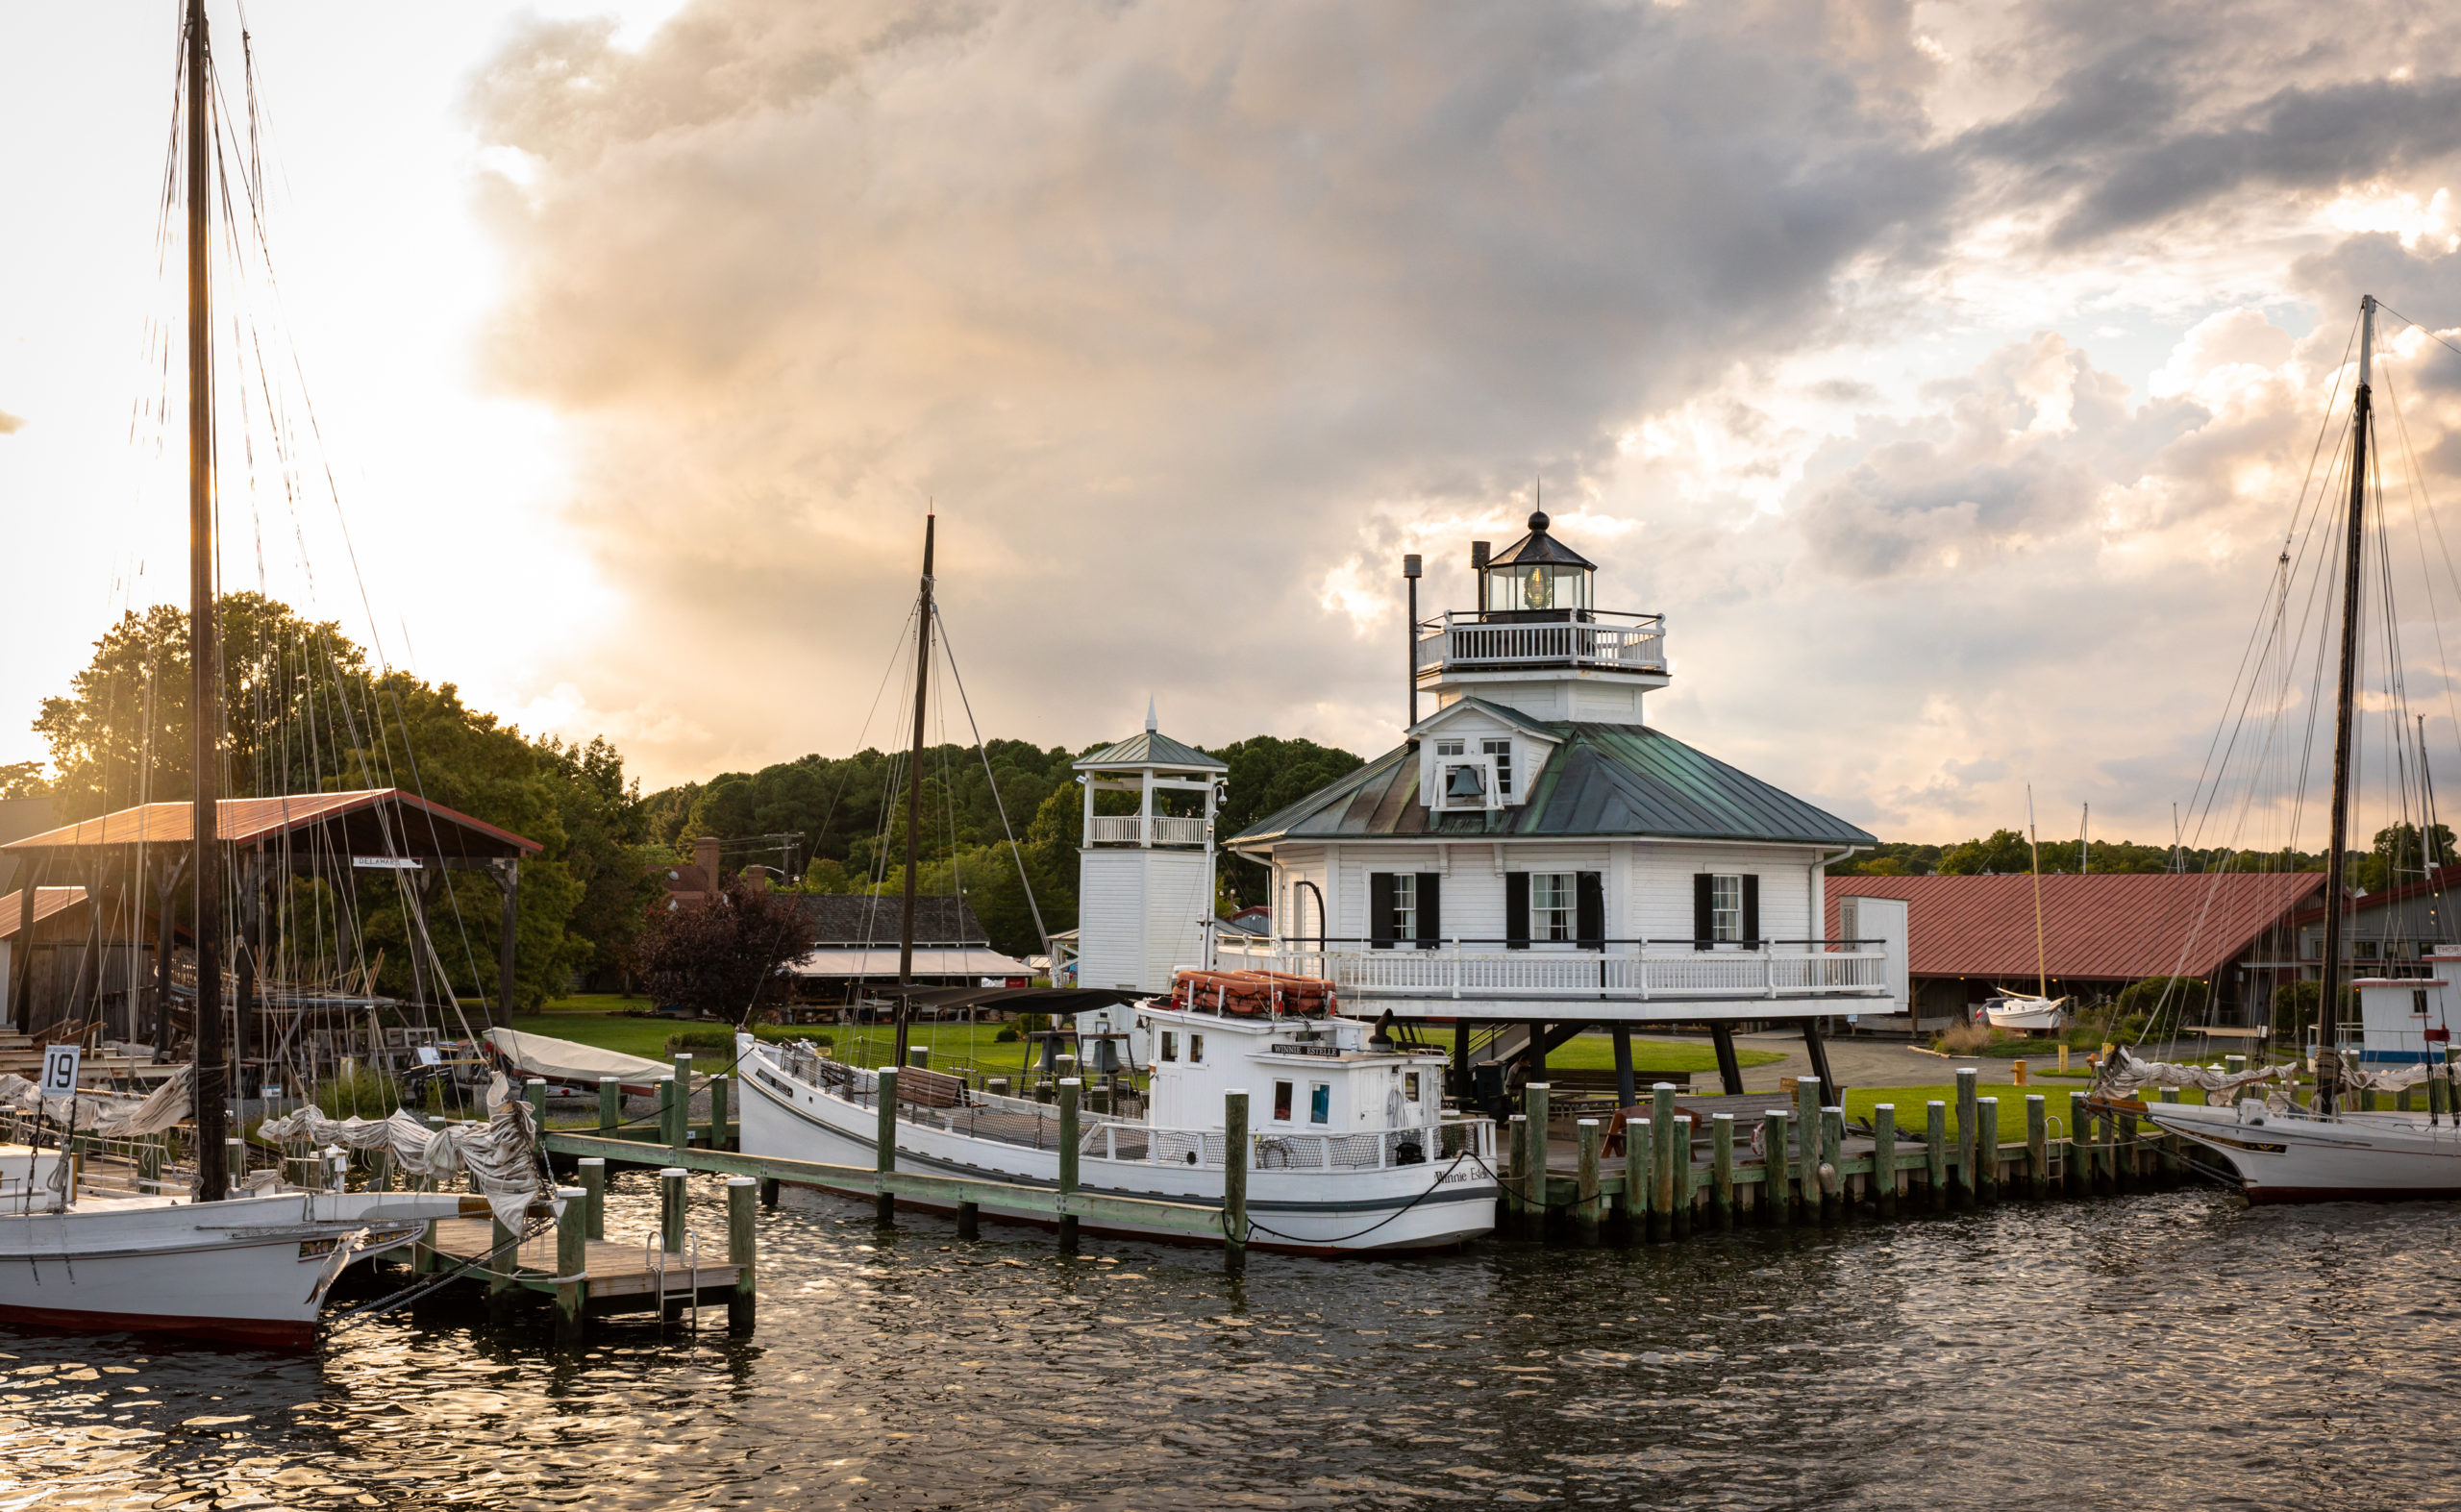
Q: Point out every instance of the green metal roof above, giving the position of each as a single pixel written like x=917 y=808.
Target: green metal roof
x=1608 y=781
x=1150 y=748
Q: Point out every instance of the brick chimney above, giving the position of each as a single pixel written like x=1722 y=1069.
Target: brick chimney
x=705 y=855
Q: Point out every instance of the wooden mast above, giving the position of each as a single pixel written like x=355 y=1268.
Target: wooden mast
x=2033 y=841
x=204 y=680
x=2328 y=1064
x=914 y=801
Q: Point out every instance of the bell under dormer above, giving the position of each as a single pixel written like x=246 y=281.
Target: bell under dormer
x=1538 y=577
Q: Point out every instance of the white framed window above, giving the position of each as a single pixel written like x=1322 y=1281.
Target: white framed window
x=1320 y=1101
x=1726 y=909
x=1196 y=1049
x=1554 y=906
x=1502 y=752
x=1282 y=1101
x=1170 y=1045
x=1411 y=1085
x=1446 y=747
x=1406 y=905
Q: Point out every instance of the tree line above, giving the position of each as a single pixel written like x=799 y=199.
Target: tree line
x=306 y=710
x=2400 y=852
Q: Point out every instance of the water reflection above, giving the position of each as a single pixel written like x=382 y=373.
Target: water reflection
x=2167 y=1351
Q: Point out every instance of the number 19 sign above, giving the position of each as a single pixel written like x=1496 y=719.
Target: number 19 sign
x=60 y=1064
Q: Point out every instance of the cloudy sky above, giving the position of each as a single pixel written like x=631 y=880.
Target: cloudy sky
x=1948 y=374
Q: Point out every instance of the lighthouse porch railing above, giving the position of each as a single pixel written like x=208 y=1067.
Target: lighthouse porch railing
x=1634 y=969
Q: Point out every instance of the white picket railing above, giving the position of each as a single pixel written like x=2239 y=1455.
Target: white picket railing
x=1600 y=639
x=1640 y=975
x=1130 y=829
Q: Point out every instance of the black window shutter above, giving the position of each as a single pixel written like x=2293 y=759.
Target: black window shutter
x=1430 y=909
x=1516 y=910
x=1703 y=910
x=1590 y=910
x=1751 y=909
x=1379 y=910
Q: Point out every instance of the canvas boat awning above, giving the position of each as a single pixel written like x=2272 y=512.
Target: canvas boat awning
x=553 y=1060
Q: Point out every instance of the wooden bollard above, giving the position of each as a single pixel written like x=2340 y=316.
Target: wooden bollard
x=885 y=1145
x=610 y=1103
x=1776 y=1181
x=534 y=1090
x=1936 y=1151
x=572 y=1260
x=149 y=1163
x=682 y=1134
x=666 y=1100
x=1668 y=1149
x=1533 y=1189
x=1234 y=1180
x=2081 y=1172
x=1721 y=1169
x=718 y=1099
x=1967 y=1131
x=1883 y=1183
x=997 y=1086
x=1986 y=1149
x=2037 y=1147
x=768 y=1191
x=1641 y=1217
x=1833 y=1159
x=1071 y=1089
x=670 y=1210
x=1585 y=1181
x=740 y=1194
x=2124 y=1149
x=593 y=1197
x=919 y=1055
x=2437 y=1105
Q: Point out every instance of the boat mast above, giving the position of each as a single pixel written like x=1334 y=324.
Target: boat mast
x=914 y=800
x=2033 y=839
x=2328 y=1066
x=204 y=680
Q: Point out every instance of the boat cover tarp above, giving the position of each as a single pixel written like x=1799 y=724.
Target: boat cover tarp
x=553 y=1060
x=110 y=1115
x=501 y=1155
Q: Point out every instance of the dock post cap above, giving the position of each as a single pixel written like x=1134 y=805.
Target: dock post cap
x=1722 y=1117
x=592 y=1160
x=2030 y=1097
x=1664 y=1087
x=1536 y=1086
x=743 y=1180
x=1235 y=1092
x=602 y=1081
x=570 y=1194
x=1586 y=1123
x=1832 y=1108
x=1891 y=1106
x=673 y=1170
x=1777 y=1113
x=1935 y=1102
x=1072 y=1081
x=535 y=1081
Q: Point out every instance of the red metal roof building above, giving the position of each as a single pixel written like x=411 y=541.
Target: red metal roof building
x=1967 y=937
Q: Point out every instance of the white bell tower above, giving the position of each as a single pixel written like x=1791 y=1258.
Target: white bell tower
x=1145 y=881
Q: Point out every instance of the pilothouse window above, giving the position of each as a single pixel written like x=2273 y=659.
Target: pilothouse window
x=1320 y=1103
x=1170 y=1045
x=1282 y=1101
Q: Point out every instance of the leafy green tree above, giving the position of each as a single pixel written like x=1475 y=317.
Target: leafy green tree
x=2401 y=854
x=720 y=956
x=2005 y=851
x=1269 y=774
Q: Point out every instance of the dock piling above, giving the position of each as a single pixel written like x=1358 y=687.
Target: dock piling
x=718 y=1099
x=1883 y=1186
x=1586 y=1183
x=1778 y=1181
x=885 y=1145
x=1969 y=1130
x=534 y=1090
x=679 y=1133
x=1936 y=1151
x=1667 y=1148
x=1070 y=1090
x=1234 y=1180
x=769 y=1191
x=1533 y=1176
x=1640 y=1216
x=2037 y=1147
x=610 y=1103
x=670 y=1210
x=593 y=1190
x=1986 y=1149
x=2079 y=1164
x=1516 y=1162
x=1832 y=1162
x=919 y=1057
x=572 y=1260
x=741 y=1191
x=1721 y=1169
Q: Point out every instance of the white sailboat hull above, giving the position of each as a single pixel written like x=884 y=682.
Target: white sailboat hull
x=2292 y=1157
x=1430 y=1205
x=2026 y=1013
x=252 y=1270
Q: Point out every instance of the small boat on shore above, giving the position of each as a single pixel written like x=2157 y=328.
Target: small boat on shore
x=2024 y=1012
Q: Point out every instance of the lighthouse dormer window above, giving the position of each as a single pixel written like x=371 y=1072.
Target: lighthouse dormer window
x=1501 y=750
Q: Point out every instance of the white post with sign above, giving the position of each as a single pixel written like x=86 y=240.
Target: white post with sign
x=60 y=1067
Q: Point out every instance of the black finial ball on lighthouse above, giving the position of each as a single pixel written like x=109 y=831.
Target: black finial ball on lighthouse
x=1538 y=521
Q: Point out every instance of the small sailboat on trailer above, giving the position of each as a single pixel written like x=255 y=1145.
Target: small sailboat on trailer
x=2036 y=1012
x=2328 y=1151
x=248 y=1265
x=1352 y=1149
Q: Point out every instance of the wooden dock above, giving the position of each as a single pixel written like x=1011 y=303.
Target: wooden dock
x=622 y=1275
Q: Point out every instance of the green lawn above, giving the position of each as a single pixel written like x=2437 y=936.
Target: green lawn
x=1597 y=1053
x=1911 y=1113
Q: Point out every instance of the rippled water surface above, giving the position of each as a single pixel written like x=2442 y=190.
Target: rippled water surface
x=2167 y=1351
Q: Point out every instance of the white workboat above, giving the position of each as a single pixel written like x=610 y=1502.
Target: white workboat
x=1351 y=1149
x=247 y=1270
x=2289 y=1156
